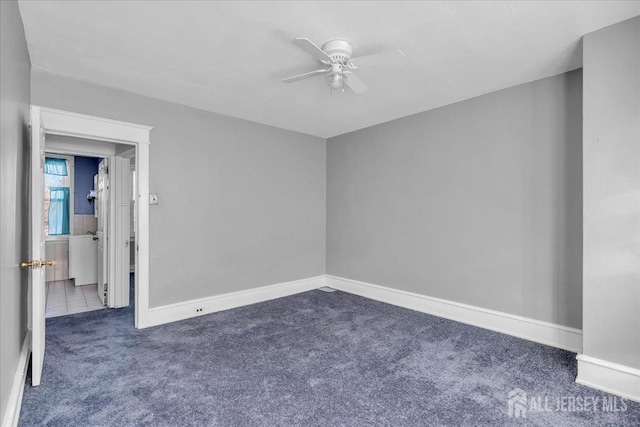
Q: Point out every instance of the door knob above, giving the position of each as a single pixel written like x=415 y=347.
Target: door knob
x=32 y=264
x=37 y=264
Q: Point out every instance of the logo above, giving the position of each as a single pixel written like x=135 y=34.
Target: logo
x=517 y=403
x=520 y=405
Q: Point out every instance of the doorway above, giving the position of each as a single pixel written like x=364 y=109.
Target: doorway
x=92 y=210
x=47 y=121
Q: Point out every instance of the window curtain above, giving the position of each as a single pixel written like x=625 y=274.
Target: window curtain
x=55 y=166
x=59 y=211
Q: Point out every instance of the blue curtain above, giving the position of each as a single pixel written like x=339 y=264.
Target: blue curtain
x=55 y=166
x=59 y=211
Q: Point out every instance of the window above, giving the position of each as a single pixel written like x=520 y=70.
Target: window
x=58 y=181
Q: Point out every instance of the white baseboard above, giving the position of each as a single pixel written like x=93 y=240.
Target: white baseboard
x=596 y=373
x=610 y=377
x=534 y=330
x=12 y=413
x=198 y=307
x=522 y=327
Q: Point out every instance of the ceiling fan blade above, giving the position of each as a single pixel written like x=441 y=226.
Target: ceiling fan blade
x=392 y=57
x=308 y=46
x=355 y=84
x=304 y=76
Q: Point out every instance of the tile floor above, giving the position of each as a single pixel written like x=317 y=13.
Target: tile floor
x=63 y=297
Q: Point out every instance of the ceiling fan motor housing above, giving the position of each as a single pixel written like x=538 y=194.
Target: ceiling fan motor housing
x=339 y=50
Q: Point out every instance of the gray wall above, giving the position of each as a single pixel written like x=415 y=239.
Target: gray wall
x=241 y=204
x=14 y=120
x=477 y=202
x=612 y=194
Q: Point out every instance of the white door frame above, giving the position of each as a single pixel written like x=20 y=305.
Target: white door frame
x=65 y=123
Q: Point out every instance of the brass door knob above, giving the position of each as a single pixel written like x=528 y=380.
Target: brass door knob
x=37 y=264
x=32 y=264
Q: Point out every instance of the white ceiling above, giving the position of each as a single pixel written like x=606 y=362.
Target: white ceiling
x=229 y=57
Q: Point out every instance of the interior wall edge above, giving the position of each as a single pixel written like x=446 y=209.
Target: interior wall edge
x=611 y=194
x=15 y=97
x=609 y=377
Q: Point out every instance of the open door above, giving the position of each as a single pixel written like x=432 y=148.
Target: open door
x=37 y=264
x=121 y=231
x=113 y=233
x=102 y=209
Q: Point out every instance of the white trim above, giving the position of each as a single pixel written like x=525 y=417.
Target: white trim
x=14 y=404
x=522 y=327
x=81 y=147
x=188 y=309
x=141 y=213
x=66 y=123
x=608 y=376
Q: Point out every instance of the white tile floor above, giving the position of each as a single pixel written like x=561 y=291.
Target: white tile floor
x=63 y=297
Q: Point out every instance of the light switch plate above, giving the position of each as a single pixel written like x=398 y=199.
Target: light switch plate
x=153 y=199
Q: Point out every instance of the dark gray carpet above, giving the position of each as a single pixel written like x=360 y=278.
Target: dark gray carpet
x=311 y=359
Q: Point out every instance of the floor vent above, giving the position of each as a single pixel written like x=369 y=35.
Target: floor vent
x=326 y=289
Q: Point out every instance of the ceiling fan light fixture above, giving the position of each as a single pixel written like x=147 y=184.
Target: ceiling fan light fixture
x=336 y=81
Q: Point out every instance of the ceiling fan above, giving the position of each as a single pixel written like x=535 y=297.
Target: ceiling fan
x=339 y=65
